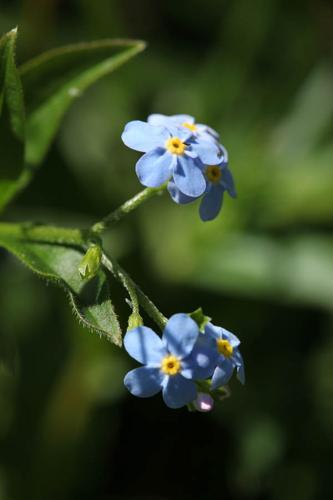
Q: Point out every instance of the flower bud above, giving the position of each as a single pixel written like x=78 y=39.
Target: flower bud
x=90 y=263
x=134 y=321
x=204 y=402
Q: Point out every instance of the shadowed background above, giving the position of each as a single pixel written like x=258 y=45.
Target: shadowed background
x=260 y=73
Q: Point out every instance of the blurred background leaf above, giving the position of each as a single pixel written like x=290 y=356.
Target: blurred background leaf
x=55 y=78
x=12 y=118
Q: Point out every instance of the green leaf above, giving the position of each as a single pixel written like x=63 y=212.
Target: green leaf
x=56 y=78
x=12 y=119
x=43 y=250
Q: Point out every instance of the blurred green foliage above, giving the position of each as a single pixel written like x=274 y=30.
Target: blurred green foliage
x=261 y=73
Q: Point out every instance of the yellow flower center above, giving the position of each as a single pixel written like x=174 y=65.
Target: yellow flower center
x=190 y=126
x=175 y=146
x=224 y=347
x=213 y=173
x=170 y=365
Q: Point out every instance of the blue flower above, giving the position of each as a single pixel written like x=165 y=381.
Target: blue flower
x=170 y=364
x=225 y=345
x=199 y=130
x=170 y=152
x=219 y=179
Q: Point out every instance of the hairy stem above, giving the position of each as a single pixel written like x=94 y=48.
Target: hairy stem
x=150 y=308
x=68 y=236
x=126 y=208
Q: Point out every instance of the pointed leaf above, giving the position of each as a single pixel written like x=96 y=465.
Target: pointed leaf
x=56 y=78
x=59 y=262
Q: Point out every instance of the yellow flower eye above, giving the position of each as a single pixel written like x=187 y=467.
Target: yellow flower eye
x=175 y=146
x=224 y=347
x=213 y=173
x=170 y=365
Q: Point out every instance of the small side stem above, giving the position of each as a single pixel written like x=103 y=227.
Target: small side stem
x=126 y=208
x=121 y=275
x=129 y=286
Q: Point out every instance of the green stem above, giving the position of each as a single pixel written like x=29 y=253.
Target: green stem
x=129 y=286
x=69 y=236
x=150 y=308
x=126 y=208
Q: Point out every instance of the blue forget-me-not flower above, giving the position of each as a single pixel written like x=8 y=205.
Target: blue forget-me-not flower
x=219 y=179
x=171 y=363
x=226 y=347
x=171 y=152
x=185 y=153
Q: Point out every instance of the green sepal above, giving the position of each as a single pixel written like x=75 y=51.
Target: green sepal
x=191 y=408
x=218 y=394
x=199 y=317
x=134 y=321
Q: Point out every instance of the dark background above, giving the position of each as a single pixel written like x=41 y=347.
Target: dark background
x=261 y=73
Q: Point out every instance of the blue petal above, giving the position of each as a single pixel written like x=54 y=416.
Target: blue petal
x=158 y=119
x=200 y=364
x=224 y=152
x=237 y=357
x=204 y=129
x=228 y=182
x=180 y=119
x=182 y=133
x=154 y=168
x=193 y=154
x=241 y=374
x=207 y=151
x=238 y=360
x=144 y=345
x=234 y=341
x=211 y=202
x=164 y=120
x=205 y=136
x=178 y=391
x=144 y=382
x=178 y=196
x=180 y=334
x=188 y=176
x=213 y=331
x=217 y=332
x=222 y=373
x=144 y=137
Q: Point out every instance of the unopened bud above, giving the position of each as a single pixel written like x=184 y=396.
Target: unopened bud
x=134 y=321
x=204 y=402
x=90 y=263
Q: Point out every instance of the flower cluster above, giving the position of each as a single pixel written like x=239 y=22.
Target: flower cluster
x=185 y=154
x=181 y=360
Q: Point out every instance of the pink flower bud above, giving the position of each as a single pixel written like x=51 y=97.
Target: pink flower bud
x=204 y=402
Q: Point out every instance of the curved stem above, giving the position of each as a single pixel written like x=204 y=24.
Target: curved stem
x=70 y=236
x=126 y=208
x=150 y=308
x=129 y=286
